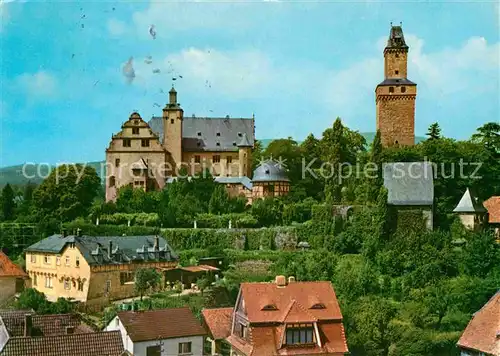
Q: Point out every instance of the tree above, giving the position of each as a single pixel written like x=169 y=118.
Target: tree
x=30 y=298
x=67 y=193
x=8 y=204
x=219 y=202
x=146 y=279
x=374 y=185
x=202 y=284
x=434 y=131
x=489 y=135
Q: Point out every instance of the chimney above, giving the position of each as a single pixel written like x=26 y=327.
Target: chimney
x=110 y=250
x=28 y=325
x=157 y=243
x=79 y=232
x=70 y=330
x=281 y=281
x=64 y=232
x=291 y=279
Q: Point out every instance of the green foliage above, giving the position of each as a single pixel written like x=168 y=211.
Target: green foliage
x=434 y=131
x=140 y=219
x=8 y=204
x=108 y=230
x=222 y=221
x=30 y=298
x=219 y=201
x=268 y=211
x=67 y=193
x=146 y=279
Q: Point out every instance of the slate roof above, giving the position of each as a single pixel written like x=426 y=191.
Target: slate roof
x=469 y=203
x=124 y=249
x=167 y=324
x=218 y=321
x=493 y=206
x=245 y=181
x=9 y=268
x=210 y=133
x=269 y=171
x=396 y=81
x=396 y=38
x=482 y=332
x=409 y=183
x=106 y=343
x=42 y=325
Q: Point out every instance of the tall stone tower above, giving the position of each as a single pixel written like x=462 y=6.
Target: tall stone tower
x=172 y=128
x=395 y=96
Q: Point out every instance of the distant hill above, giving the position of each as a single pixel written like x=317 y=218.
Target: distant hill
x=15 y=175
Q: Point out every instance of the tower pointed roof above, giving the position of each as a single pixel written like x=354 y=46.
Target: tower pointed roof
x=244 y=142
x=469 y=204
x=396 y=38
x=173 y=90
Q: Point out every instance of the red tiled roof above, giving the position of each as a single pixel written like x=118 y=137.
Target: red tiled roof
x=8 y=268
x=218 y=321
x=482 y=332
x=493 y=207
x=306 y=294
x=106 y=343
x=161 y=323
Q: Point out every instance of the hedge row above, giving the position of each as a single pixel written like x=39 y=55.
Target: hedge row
x=222 y=221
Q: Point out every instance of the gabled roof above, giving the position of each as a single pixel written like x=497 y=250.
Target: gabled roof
x=160 y=324
x=9 y=268
x=291 y=299
x=483 y=331
x=469 y=203
x=210 y=133
x=106 y=343
x=94 y=249
x=409 y=183
x=218 y=321
x=493 y=207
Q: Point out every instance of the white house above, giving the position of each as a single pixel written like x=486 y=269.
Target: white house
x=161 y=332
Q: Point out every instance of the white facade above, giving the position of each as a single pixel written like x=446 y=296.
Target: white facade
x=169 y=347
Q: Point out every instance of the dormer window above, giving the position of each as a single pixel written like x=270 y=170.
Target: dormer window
x=240 y=134
x=199 y=133
x=217 y=134
x=217 y=144
x=299 y=334
x=269 y=307
x=318 y=306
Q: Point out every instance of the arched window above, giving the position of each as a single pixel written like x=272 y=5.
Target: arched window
x=403 y=89
x=112 y=181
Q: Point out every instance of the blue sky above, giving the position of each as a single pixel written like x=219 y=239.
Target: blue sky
x=297 y=66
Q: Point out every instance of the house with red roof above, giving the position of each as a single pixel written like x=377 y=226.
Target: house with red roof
x=11 y=278
x=481 y=337
x=284 y=317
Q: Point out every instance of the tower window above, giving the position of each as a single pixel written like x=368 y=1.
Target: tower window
x=397 y=72
x=397 y=55
x=229 y=159
x=216 y=159
x=126 y=142
x=403 y=89
x=145 y=142
x=135 y=130
x=171 y=121
x=391 y=89
x=112 y=181
x=117 y=162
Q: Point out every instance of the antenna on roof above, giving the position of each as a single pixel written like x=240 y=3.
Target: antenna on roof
x=391 y=23
x=401 y=23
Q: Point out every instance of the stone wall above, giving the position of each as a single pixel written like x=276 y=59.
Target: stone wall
x=396 y=117
x=395 y=64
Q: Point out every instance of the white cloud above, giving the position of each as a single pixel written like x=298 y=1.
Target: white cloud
x=116 y=27
x=41 y=84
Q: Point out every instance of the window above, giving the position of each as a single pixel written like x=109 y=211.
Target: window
x=216 y=159
x=229 y=159
x=153 y=350
x=117 y=162
x=391 y=89
x=80 y=285
x=197 y=159
x=217 y=144
x=67 y=284
x=126 y=277
x=58 y=261
x=300 y=334
x=396 y=72
x=240 y=134
x=67 y=261
x=403 y=89
x=48 y=282
x=199 y=133
x=135 y=130
x=78 y=262
x=171 y=121
x=46 y=260
x=126 y=142
x=242 y=331
x=184 y=348
x=145 y=142
x=108 y=286
x=33 y=258
x=112 y=181
x=217 y=134
x=397 y=55
x=35 y=280
x=318 y=306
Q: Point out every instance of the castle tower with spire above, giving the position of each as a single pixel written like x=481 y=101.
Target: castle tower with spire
x=395 y=96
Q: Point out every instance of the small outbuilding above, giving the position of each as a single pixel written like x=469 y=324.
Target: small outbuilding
x=471 y=211
x=270 y=180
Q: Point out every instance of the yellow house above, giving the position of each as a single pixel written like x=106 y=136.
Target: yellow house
x=94 y=269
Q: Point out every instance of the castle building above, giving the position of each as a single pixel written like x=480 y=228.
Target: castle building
x=144 y=154
x=395 y=96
